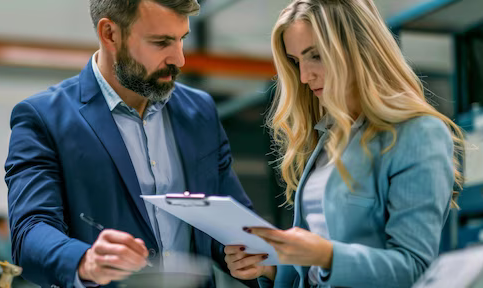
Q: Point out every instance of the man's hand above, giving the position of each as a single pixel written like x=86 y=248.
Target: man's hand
x=114 y=256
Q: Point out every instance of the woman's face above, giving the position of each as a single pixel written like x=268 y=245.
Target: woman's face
x=301 y=49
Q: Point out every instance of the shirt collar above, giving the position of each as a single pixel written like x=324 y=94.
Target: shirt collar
x=328 y=121
x=113 y=99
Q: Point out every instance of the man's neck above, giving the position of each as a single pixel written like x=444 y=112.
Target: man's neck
x=131 y=98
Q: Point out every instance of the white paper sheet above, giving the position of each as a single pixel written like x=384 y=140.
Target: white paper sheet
x=223 y=219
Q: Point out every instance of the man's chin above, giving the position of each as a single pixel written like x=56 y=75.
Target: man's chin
x=160 y=97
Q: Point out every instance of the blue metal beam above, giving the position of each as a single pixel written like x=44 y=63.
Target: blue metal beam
x=398 y=21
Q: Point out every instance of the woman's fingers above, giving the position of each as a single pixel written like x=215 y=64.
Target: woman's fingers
x=247 y=273
x=247 y=261
x=233 y=249
x=274 y=235
x=234 y=257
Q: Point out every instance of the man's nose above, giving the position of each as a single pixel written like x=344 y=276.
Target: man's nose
x=177 y=56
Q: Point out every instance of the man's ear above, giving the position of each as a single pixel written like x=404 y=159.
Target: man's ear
x=110 y=34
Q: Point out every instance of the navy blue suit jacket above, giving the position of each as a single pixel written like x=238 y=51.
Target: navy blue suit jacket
x=67 y=157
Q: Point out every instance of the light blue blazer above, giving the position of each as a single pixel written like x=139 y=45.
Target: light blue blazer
x=388 y=231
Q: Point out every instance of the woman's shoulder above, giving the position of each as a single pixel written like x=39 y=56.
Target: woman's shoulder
x=423 y=129
x=417 y=136
x=426 y=122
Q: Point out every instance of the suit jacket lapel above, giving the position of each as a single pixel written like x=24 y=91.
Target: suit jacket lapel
x=184 y=132
x=303 y=179
x=97 y=114
x=298 y=194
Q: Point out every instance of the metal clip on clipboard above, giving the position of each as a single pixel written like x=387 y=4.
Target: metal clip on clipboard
x=187 y=199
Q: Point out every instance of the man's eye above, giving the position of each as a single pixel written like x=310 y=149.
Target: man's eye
x=161 y=43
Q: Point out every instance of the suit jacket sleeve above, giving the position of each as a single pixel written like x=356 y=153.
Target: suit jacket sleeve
x=418 y=201
x=33 y=175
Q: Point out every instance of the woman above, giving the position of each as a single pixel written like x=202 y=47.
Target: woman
x=371 y=163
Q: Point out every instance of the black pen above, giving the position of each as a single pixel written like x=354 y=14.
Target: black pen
x=99 y=227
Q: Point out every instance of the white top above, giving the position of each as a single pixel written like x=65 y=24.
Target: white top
x=313 y=199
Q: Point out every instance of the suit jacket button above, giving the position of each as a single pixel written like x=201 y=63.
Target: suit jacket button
x=152 y=253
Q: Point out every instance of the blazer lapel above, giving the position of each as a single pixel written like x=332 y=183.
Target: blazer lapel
x=303 y=179
x=184 y=134
x=302 y=271
x=97 y=114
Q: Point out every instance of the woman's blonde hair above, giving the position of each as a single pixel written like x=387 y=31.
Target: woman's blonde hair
x=360 y=58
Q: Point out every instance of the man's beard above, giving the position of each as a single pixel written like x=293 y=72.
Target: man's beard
x=134 y=76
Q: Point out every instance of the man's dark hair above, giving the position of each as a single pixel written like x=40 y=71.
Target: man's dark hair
x=124 y=12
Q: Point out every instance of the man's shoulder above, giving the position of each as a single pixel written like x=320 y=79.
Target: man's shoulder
x=192 y=95
x=197 y=103
x=66 y=90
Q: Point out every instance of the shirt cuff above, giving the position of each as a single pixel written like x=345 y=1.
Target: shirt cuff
x=324 y=275
x=78 y=283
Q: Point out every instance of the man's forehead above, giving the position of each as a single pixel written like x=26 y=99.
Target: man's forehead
x=155 y=19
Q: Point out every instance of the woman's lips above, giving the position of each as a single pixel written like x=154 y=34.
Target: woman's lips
x=318 y=92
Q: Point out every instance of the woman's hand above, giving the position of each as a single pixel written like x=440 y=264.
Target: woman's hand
x=297 y=246
x=246 y=266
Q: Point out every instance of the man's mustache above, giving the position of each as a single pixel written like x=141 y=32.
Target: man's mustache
x=170 y=70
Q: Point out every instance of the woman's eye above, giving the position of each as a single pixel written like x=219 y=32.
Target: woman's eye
x=316 y=57
x=294 y=62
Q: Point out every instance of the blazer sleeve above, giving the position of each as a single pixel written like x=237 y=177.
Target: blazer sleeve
x=33 y=175
x=420 y=180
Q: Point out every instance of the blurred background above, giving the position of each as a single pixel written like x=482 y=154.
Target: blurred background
x=228 y=55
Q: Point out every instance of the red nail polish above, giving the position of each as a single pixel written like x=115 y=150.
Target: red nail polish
x=242 y=248
x=246 y=229
x=265 y=257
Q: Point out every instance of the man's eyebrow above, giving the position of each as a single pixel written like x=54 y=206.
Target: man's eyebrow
x=161 y=37
x=165 y=37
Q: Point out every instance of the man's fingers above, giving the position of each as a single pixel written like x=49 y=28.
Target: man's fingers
x=126 y=255
x=107 y=274
x=115 y=262
x=126 y=239
x=143 y=245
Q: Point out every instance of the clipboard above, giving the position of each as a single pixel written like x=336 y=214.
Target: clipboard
x=223 y=218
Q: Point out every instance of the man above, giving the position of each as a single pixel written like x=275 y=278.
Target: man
x=96 y=142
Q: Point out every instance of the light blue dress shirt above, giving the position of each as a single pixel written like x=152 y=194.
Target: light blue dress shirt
x=152 y=148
